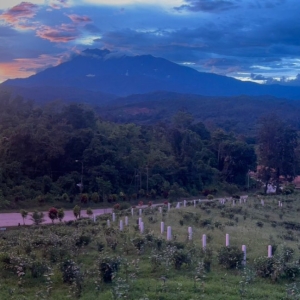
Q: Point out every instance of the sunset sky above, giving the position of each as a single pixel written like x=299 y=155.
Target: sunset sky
x=247 y=39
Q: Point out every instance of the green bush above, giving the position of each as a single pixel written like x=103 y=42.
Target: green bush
x=264 y=266
x=180 y=257
x=37 y=269
x=259 y=224
x=70 y=271
x=83 y=240
x=107 y=267
x=230 y=257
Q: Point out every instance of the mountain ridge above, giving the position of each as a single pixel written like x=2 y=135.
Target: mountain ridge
x=121 y=75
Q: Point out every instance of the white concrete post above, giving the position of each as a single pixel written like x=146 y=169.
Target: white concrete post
x=121 y=225
x=162 y=227
x=184 y=203
x=233 y=202
x=178 y=205
x=204 y=241
x=240 y=200
x=194 y=203
x=279 y=203
x=94 y=217
x=227 y=240
x=140 y=221
x=126 y=221
x=142 y=227
x=244 y=249
x=108 y=223
x=140 y=212
x=132 y=212
x=113 y=217
x=169 y=233
x=169 y=206
x=269 y=251
x=190 y=233
x=160 y=209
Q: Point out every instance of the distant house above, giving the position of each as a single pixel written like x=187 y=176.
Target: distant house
x=296 y=182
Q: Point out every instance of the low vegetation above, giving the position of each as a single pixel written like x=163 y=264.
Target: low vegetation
x=87 y=259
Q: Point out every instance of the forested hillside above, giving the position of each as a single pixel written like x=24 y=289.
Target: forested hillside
x=45 y=152
x=239 y=114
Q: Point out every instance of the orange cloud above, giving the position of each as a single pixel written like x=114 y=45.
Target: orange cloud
x=24 y=67
x=18 y=15
x=58 y=34
x=80 y=19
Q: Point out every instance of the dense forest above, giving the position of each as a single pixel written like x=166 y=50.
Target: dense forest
x=66 y=152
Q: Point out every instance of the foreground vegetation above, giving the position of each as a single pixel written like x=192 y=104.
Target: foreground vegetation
x=89 y=260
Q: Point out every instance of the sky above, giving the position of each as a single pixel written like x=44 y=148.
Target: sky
x=257 y=40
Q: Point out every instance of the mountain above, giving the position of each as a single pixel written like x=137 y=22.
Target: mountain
x=101 y=71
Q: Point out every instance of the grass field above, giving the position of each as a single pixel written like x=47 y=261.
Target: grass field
x=88 y=260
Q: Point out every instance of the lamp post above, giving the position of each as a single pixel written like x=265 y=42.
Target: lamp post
x=81 y=178
x=248 y=180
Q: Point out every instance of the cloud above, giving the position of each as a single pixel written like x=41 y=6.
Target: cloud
x=24 y=67
x=18 y=15
x=80 y=19
x=207 y=5
x=58 y=34
x=58 y=4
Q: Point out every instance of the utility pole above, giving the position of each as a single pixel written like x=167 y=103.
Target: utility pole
x=147 y=178
x=81 y=177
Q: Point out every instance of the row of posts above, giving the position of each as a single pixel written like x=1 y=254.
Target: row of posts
x=190 y=235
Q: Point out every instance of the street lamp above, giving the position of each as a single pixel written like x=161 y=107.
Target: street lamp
x=81 y=178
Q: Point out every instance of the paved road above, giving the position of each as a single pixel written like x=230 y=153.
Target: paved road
x=13 y=219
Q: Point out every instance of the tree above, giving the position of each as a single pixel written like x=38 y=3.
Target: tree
x=53 y=214
x=77 y=211
x=237 y=158
x=60 y=214
x=37 y=217
x=24 y=214
x=277 y=150
x=89 y=212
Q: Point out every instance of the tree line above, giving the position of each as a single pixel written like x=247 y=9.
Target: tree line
x=65 y=151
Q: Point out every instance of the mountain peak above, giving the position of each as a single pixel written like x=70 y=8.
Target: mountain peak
x=96 y=52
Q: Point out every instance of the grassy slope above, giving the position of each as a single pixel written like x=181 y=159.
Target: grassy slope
x=218 y=283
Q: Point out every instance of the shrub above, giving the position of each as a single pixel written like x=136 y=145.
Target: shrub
x=37 y=217
x=210 y=197
x=38 y=269
x=205 y=222
x=70 y=271
x=259 y=224
x=180 y=257
x=53 y=214
x=95 y=197
x=117 y=206
x=89 y=211
x=100 y=246
x=107 y=267
x=230 y=257
x=138 y=242
x=83 y=240
x=264 y=266
x=124 y=206
x=60 y=214
x=77 y=211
